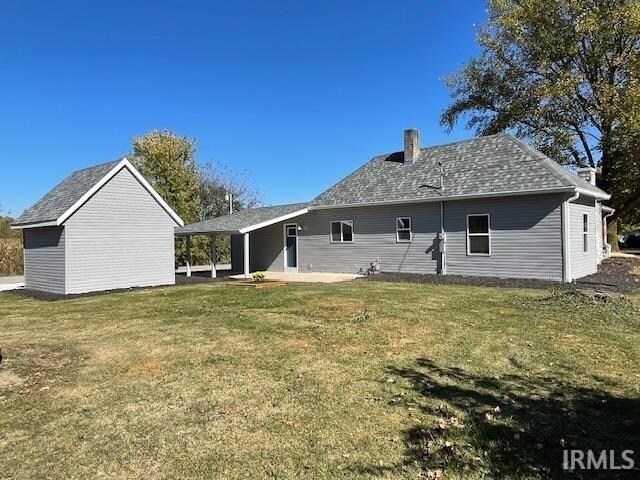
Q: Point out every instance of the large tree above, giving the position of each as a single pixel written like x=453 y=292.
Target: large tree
x=168 y=162
x=565 y=75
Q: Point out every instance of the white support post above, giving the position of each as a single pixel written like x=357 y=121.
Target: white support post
x=188 y=240
x=246 y=255
x=214 y=256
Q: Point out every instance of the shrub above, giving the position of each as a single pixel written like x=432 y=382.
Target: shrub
x=258 y=277
x=11 y=262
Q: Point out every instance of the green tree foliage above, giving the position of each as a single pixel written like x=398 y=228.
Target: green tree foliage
x=565 y=75
x=168 y=162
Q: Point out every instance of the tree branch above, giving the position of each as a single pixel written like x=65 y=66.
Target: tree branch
x=630 y=204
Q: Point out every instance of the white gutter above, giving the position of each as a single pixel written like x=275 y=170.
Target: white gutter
x=589 y=193
x=451 y=198
x=266 y=223
x=52 y=223
x=566 y=238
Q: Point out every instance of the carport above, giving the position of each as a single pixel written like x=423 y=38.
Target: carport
x=239 y=225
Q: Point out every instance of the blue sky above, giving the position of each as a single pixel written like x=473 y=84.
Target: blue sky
x=297 y=93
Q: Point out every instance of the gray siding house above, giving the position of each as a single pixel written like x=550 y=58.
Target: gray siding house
x=101 y=228
x=490 y=206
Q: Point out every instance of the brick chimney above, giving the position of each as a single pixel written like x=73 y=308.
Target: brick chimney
x=411 y=145
x=588 y=174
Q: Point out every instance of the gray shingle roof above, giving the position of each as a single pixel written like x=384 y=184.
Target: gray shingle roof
x=61 y=197
x=487 y=165
x=240 y=220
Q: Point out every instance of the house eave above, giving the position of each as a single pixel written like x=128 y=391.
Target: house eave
x=568 y=189
x=124 y=163
x=23 y=226
x=207 y=232
x=272 y=221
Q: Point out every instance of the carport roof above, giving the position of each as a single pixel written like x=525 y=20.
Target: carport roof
x=244 y=221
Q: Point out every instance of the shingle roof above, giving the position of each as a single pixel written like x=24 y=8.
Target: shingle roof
x=240 y=220
x=494 y=164
x=64 y=195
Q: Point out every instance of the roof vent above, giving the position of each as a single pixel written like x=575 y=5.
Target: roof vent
x=587 y=174
x=411 y=145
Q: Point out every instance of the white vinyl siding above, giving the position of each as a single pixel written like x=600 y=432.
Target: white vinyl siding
x=526 y=237
x=120 y=238
x=583 y=261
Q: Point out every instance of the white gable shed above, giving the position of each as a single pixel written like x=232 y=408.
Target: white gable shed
x=101 y=228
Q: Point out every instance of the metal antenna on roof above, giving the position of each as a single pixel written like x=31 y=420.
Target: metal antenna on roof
x=440 y=187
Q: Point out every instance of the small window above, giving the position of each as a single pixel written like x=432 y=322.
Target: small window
x=403 y=229
x=292 y=231
x=342 y=231
x=585 y=233
x=478 y=235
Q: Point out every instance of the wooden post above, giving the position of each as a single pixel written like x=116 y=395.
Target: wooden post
x=188 y=238
x=214 y=256
x=246 y=255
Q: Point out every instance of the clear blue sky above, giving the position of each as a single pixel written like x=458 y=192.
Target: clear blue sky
x=298 y=93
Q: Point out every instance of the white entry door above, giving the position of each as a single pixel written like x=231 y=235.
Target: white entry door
x=291 y=247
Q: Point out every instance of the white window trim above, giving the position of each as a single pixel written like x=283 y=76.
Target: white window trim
x=488 y=234
x=585 y=232
x=398 y=240
x=353 y=235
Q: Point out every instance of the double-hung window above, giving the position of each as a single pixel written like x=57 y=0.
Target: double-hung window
x=342 y=231
x=478 y=235
x=585 y=233
x=403 y=229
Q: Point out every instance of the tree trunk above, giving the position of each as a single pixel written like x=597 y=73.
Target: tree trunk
x=612 y=234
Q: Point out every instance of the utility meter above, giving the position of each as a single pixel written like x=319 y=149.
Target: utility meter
x=442 y=237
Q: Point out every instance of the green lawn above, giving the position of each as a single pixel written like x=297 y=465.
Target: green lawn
x=317 y=381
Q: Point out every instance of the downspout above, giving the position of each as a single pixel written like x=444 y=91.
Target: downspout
x=566 y=238
x=606 y=232
x=442 y=243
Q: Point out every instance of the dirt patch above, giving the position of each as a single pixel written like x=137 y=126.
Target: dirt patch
x=297 y=344
x=199 y=277
x=618 y=274
x=10 y=379
x=147 y=369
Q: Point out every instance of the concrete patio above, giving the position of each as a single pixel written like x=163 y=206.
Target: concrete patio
x=202 y=273
x=11 y=283
x=310 y=277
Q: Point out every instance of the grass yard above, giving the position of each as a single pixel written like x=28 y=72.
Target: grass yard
x=347 y=380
